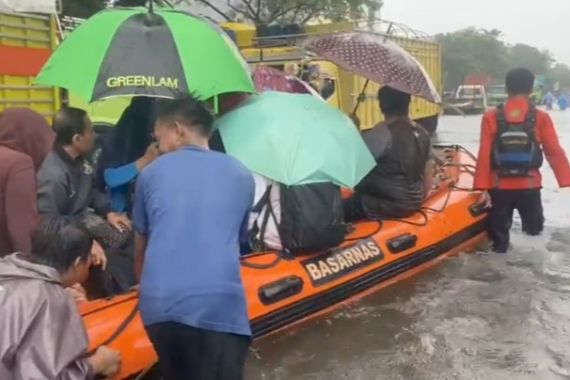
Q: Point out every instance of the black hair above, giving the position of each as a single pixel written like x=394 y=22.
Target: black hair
x=394 y=102
x=67 y=123
x=519 y=82
x=189 y=112
x=59 y=241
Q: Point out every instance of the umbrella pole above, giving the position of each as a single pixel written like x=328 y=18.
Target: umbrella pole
x=150 y=6
x=359 y=98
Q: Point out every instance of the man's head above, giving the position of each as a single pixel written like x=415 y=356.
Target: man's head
x=73 y=129
x=64 y=245
x=394 y=102
x=519 y=82
x=182 y=122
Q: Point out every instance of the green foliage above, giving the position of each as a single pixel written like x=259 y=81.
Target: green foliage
x=259 y=12
x=480 y=51
x=539 y=62
x=560 y=73
x=265 y=12
x=472 y=51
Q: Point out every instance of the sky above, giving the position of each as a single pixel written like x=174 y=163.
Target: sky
x=544 y=24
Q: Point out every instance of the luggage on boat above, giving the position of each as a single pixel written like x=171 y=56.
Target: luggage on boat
x=312 y=217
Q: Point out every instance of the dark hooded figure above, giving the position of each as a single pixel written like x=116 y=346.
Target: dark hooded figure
x=25 y=140
x=126 y=151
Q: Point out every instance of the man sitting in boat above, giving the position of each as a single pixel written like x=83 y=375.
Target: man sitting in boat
x=397 y=186
x=42 y=335
x=66 y=187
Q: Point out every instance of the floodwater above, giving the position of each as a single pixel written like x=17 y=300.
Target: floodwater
x=476 y=316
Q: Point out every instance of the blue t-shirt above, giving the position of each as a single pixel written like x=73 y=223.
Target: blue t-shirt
x=193 y=204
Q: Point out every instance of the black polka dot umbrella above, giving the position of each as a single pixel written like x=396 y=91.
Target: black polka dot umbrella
x=378 y=59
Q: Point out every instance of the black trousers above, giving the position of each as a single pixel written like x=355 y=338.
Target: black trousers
x=189 y=353
x=529 y=205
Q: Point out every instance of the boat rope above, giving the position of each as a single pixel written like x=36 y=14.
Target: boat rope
x=278 y=258
x=378 y=228
x=119 y=330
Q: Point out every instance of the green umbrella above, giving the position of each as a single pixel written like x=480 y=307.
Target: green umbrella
x=296 y=139
x=132 y=51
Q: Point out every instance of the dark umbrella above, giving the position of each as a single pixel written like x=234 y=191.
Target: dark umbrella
x=269 y=79
x=378 y=59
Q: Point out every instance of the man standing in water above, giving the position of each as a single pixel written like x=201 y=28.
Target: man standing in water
x=513 y=138
x=190 y=206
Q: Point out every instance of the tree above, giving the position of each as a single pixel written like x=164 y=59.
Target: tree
x=560 y=73
x=265 y=12
x=473 y=51
x=539 y=62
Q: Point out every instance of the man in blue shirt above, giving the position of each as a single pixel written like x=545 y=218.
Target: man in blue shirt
x=191 y=205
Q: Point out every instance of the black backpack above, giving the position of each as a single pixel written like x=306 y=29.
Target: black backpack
x=515 y=149
x=312 y=217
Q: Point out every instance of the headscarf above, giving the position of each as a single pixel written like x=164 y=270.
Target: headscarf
x=27 y=132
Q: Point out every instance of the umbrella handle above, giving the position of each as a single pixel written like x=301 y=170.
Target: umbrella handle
x=359 y=98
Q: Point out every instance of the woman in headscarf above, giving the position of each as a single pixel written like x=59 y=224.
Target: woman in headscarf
x=128 y=150
x=25 y=140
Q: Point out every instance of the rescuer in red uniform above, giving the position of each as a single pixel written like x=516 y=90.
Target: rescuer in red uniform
x=514 y=139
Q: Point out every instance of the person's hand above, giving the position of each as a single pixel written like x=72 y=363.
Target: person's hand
x=105 y=361
x=149 y=156
x=485 y=199
x=98 y=256
x=119 y=221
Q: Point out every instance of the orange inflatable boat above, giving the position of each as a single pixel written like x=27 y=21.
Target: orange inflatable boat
x=282 y=291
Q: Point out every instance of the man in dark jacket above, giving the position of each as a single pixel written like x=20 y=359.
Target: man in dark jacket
x=66 y=180
x=397 y=186
x=67 y=187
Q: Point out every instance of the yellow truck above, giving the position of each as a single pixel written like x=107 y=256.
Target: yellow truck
x=339 y=87
x=26 y=42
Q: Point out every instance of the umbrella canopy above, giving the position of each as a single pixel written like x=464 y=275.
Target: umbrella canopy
x=378 y=59
x=131 y=51
x=296 y=139
x=269 y=79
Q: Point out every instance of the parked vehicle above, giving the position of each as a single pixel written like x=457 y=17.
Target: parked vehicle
x=468 y=99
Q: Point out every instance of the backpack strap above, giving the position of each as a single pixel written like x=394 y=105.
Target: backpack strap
x=264 y=202
x=530 y=121
x=256 y=209
x=501 y=118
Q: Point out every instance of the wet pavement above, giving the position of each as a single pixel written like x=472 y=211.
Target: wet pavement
x=476 y=316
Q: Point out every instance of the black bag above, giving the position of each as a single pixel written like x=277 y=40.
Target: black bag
x=312 y=217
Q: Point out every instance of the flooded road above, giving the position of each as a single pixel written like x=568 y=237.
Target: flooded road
x=476 y=316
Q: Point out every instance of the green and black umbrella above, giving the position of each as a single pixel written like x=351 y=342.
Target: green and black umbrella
x=133 y=51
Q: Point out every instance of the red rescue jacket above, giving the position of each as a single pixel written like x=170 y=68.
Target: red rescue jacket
x=515 y=110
